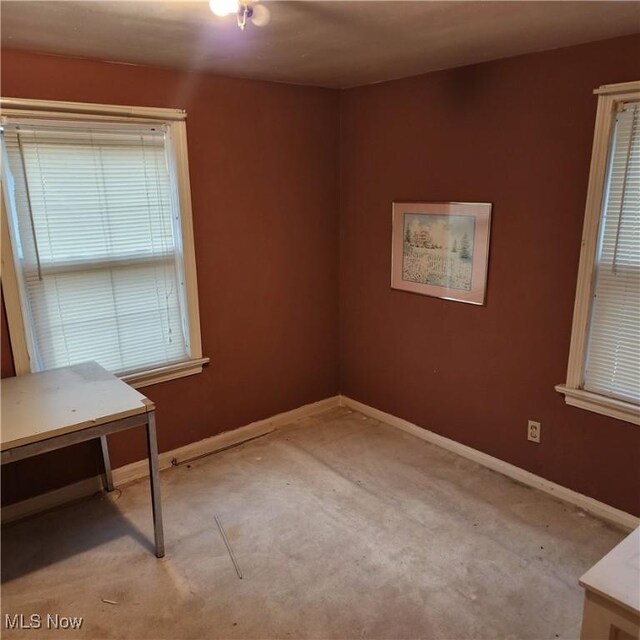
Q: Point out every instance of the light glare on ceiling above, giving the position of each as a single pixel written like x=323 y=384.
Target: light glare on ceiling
x=244 y=10
x=224 y=8
x=261 y=16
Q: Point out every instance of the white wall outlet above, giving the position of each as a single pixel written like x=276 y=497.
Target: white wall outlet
x=533 y=431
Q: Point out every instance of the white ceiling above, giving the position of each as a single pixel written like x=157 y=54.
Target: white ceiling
x=329 y=43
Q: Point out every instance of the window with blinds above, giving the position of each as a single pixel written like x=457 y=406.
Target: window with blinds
x=612 y=365
x=95 y=222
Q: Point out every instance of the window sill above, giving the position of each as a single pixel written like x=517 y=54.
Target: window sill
x=600 y=404
x=163 y=374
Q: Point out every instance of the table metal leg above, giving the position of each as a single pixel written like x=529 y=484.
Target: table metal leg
x=107 y=478
x=154 y=477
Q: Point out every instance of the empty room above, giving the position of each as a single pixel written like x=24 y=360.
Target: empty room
x=320 y=319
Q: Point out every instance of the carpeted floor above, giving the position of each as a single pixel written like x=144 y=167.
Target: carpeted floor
x=343 y=527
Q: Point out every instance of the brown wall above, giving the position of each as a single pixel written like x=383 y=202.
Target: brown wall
x=264 y=186
x=517 y=133
x=264 y=166
x=7 y=369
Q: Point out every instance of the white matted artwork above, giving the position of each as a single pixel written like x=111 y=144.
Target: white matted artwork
x=441 y=249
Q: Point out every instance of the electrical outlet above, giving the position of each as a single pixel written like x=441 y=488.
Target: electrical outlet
x=533 y=431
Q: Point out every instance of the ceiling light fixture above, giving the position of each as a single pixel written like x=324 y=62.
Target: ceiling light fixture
x=244 y=10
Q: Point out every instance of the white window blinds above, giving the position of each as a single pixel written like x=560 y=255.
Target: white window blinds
x=613 y=355
x=95 y=225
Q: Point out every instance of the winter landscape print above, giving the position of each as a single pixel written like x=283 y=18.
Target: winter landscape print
x=441 y=249
x=438 y=250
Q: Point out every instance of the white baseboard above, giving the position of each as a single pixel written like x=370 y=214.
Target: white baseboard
x=595 y=507
x=51 y=499
x=140 y=469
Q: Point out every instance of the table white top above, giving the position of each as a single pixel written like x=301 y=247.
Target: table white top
x=39 y=406
x=617 y=576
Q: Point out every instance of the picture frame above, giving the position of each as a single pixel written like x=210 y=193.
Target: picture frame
x=441 y=249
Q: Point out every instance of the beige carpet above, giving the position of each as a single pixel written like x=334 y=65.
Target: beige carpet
x=343 y=528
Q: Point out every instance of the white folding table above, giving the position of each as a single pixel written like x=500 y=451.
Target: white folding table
x=612 y=594
x=60 y=407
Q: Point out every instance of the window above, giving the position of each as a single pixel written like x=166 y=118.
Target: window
x=98 y=223
x=604 y=361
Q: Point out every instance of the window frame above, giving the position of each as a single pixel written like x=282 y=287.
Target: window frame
x=609 y=97
x=14 y=297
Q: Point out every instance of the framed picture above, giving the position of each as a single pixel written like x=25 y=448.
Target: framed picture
x=441 y=249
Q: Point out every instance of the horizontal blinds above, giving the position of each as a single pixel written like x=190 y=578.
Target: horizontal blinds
x=96 y=227
x=613 y=354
